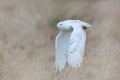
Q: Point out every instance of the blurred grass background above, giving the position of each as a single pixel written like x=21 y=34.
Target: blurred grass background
x=27 y=33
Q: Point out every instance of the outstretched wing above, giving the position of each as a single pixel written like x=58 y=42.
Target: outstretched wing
x=61 y=49
x=76 y=49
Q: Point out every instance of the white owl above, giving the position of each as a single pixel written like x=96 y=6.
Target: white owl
x=70 y=43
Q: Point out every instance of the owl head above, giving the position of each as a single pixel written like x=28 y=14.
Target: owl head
x=67 y=24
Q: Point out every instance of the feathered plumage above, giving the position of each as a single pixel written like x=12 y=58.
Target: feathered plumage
x=70 y=43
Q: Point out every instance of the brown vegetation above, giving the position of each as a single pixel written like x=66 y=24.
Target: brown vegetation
x=27 y=32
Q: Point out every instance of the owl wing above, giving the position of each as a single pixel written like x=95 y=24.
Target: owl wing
x=61 y=49
x=76 y=49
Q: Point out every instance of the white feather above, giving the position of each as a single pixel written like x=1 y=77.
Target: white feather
x=77 y=46
x=62 y=45
x=70 y=43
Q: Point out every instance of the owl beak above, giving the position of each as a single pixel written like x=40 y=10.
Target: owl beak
x=59 y=25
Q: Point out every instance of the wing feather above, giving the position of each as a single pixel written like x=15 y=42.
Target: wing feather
x=61 y=47
x=76 y=49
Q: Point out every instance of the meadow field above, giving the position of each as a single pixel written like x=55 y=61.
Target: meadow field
x=28 y=31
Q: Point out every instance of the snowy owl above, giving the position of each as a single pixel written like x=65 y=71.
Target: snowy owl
x=70 y=43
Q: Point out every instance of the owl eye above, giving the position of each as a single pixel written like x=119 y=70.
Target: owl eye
x=60 y=24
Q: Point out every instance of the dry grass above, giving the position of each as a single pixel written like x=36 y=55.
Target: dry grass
x=27 y=32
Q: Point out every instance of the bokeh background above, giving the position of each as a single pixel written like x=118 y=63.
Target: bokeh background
x=27 y=33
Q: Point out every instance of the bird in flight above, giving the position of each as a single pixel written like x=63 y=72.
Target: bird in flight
x=70 y=43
